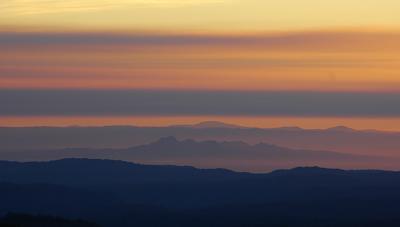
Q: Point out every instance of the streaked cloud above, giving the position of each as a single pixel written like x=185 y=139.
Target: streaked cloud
x=196 y=103
x=21 y=7
x=309 y=41
x=312 y=61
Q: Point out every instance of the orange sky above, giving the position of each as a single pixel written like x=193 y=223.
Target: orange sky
x=235 y=45
x=295 y=61
x=321 y=61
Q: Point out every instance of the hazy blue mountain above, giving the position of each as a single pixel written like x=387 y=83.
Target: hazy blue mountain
x=339 y=139
x=234 y=155
x=116 y=193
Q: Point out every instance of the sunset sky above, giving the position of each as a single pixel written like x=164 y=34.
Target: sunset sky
x=308 y=63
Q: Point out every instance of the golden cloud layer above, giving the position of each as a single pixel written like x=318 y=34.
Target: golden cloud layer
x=21 y=7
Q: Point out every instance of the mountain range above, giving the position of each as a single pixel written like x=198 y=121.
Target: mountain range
x=234 y=155
x=337 y=139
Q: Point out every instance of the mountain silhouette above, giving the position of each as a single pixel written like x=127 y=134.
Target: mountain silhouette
x=116 y=193
x=96 y=171
x=341 y=129
x=338 y=139
x=234 y=155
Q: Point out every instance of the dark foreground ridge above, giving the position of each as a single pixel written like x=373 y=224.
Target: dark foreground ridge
x=16 y=220
x=116 y=193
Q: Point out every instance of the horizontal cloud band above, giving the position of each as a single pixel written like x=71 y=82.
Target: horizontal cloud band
x=304 y=40
x=222 y=103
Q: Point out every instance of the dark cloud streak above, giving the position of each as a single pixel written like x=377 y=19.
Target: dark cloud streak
x=190 y=103
x=308 y=40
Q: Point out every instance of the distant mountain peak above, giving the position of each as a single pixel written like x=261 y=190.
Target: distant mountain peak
x=291 y=128
x=341 y=129
x=209 y=124
x=215 y=124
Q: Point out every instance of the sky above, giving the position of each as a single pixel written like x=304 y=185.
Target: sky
x=308 y=63
x=202 y=14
